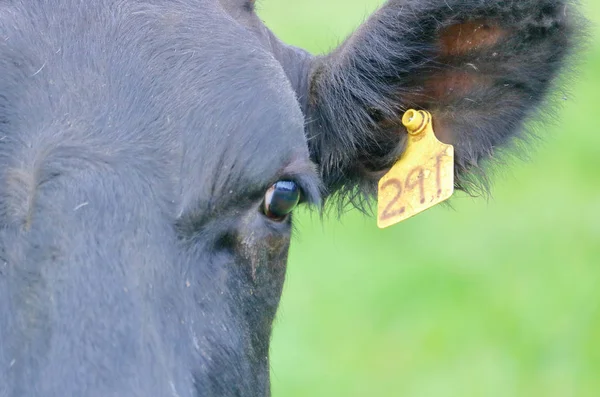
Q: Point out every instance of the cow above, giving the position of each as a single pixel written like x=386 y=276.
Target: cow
x=152 y=153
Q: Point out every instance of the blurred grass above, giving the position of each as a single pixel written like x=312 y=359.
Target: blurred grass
x=490 y=298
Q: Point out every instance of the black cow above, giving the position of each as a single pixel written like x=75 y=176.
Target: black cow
x=151 y=153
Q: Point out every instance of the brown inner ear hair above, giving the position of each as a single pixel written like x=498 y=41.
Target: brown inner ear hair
x=463 y=38
x=456 y=41
x=451 y=84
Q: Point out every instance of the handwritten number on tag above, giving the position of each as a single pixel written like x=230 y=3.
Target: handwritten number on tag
x=421 y=178
x=388 y=212
x=438 y=176
x=417 y=177
x=414 y=179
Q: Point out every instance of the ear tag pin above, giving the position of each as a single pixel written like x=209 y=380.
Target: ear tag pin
x=421 y=179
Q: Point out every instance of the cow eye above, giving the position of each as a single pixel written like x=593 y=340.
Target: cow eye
x=281 y=199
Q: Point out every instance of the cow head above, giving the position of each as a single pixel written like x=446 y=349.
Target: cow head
x=152 y=152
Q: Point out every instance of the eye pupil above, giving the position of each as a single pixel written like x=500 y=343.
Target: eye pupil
x=281 y=199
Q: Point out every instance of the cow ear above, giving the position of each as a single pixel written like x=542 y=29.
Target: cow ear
x=482 y=68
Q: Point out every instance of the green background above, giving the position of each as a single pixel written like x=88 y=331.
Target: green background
x=497 y=297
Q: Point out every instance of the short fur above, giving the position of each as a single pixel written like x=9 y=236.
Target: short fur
x=138 y=138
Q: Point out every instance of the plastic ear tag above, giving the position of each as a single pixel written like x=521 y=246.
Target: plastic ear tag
x=421 y=179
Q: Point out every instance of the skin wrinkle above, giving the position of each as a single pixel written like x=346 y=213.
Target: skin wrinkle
x=138 y=139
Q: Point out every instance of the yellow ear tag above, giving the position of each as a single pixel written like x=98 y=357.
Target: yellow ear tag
x=421 y=179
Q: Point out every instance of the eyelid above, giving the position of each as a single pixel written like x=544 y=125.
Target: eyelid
x=310 y=187
x=303 y=172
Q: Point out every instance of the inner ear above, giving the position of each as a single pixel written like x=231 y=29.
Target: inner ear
x=465 y=37
x=459 y=79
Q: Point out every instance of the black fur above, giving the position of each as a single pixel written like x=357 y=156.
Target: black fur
x=138 y=138
x=359 y=92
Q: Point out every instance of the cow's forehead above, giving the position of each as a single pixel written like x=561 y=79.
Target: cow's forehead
x=183 y=84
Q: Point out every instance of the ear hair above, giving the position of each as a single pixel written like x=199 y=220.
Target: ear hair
x=482 y=68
